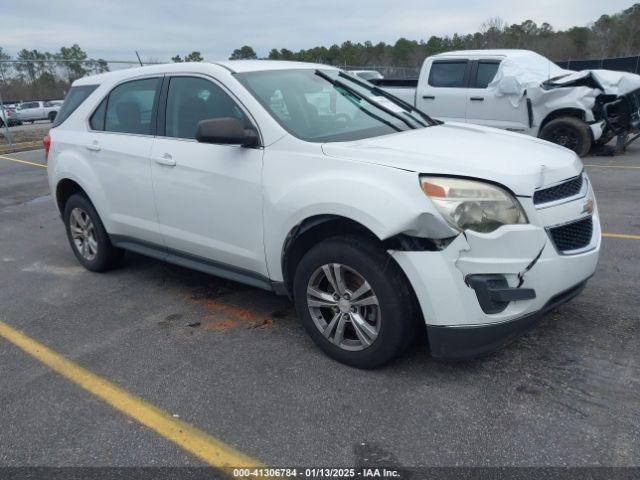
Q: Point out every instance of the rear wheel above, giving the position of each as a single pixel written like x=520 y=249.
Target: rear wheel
x=355 y=302
x=88 y=238
x=52 y=116
x=570 y=132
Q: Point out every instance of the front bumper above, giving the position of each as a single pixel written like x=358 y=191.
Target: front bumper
x=476 y=341
x=523 y=257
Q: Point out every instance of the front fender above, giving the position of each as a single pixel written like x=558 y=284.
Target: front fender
x=545 y=102
x=385 y=200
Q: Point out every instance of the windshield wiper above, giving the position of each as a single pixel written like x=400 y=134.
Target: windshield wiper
x=355 y=93
x=389 y=96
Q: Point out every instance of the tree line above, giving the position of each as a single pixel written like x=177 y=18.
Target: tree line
x=609 y=36
x=44 y=75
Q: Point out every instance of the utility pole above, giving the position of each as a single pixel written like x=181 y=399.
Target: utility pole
x=5 y=120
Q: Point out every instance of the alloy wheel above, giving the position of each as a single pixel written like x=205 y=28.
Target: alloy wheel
x=83 y=234
x=344 y=307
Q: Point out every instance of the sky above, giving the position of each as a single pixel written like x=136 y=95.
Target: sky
x=158 y=29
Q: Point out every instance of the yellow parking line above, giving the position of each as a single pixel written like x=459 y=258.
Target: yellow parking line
x=621 y=235
x=22 y=161
x=612 y=166
x=200 y=444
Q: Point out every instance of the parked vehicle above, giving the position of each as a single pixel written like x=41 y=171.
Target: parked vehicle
x=8 y=116
x=375 y=219
x=367 y=74
x=522 y=91
x=32 y=111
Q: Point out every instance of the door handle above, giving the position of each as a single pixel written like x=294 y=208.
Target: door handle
x=166 y=160
x=477 y=99
x=94 y=147
x=428 y=97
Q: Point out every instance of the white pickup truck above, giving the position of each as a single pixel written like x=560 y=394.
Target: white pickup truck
x=32 y=111
x=524 y=92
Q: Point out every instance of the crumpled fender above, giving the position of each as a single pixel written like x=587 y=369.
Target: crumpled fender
x=543 y=102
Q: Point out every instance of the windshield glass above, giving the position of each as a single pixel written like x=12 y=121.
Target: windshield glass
x=330 y=106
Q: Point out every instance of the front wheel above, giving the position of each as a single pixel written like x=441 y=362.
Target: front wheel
x=570 y=132
x=355 y=302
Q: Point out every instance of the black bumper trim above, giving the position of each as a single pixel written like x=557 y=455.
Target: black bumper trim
x=468 y=342
x=494 y=294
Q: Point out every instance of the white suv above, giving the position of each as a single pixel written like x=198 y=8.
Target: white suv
x=307 y=181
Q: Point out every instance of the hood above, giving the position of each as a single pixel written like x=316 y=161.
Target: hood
x=519 y=162
x=610 y=82
x=527 y=71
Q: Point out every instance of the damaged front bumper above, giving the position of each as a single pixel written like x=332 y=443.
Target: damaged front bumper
x=484 y=290
x=478 y=340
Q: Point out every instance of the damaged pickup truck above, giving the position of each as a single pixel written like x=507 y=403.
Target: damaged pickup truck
x=301 y=179
x=524 y=92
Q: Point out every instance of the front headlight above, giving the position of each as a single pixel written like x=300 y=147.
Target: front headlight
x=472 y=205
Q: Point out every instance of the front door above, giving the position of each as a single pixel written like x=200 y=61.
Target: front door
x=484 y=107
x=208 y=197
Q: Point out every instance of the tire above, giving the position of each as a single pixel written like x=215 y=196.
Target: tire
x=570 y=132
x=1 y=123
x=52 y=116
x=92 y=246
x=394 y=318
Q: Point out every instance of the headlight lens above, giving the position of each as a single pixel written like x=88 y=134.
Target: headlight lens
x=472 y=205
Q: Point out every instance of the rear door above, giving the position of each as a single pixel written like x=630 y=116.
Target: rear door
x=118 y=145
x=208 y=196
x=442 y=88
x=485 y=108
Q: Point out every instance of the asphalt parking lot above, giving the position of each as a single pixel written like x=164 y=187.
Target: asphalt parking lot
x=233 y=362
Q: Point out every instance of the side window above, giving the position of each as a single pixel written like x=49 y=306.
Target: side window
x=97 y=119
x=449 y=74
x=485 y=73
x=130 y=107
x=190 y=100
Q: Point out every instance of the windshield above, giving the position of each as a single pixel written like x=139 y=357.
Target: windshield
x=330 y=106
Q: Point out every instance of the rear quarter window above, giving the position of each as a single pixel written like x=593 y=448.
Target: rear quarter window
x=72 y=101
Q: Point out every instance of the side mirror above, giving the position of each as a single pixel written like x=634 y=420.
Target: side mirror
x=226 y=131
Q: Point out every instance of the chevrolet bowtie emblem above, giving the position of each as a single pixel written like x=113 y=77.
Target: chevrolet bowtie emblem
x=588 y=206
